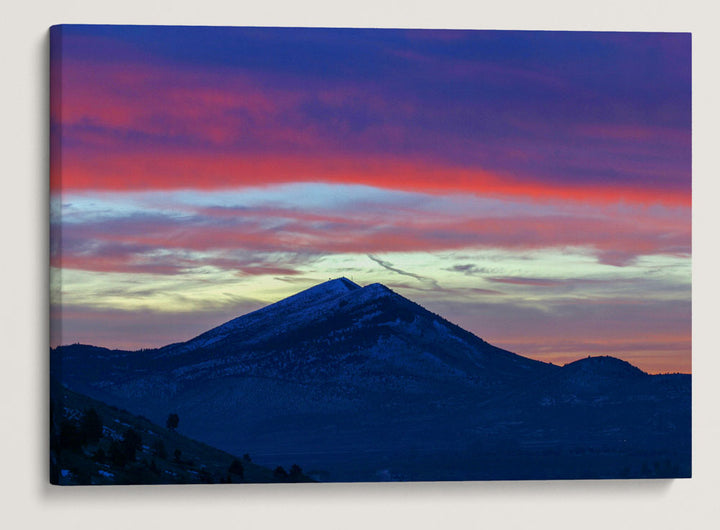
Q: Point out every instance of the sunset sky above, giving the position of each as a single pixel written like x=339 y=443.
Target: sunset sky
x=532 y=187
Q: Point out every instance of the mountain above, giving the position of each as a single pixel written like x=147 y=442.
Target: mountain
x=360 y=383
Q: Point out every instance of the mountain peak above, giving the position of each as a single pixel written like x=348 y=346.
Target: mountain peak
x=373 y=291
x=312 y=296
x=330 y=289
x=377 y=287
x=349 y=285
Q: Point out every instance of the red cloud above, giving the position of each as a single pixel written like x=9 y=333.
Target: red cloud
x=202 y=171
x=142 y=128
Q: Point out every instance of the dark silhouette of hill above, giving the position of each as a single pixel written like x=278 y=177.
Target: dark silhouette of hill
x=95 y=443
x=360 y=383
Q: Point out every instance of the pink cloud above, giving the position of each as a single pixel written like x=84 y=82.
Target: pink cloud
x=134 y=243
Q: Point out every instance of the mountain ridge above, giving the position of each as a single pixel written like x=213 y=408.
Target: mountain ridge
x=338 y=369
x=324 y=292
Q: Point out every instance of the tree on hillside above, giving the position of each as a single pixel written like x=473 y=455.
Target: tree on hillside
x=295 y=473
x=99 y=455
x=159 y=448
x=91 y=427
x=280 y=473
x=131 y=442
x=70 y=437
x=117 y=454
x=236 y=468
x=172 y=421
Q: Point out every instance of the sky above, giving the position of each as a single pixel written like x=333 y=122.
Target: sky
x=532 y=187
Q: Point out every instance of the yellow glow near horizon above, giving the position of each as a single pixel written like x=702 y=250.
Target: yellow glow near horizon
x=435 y=274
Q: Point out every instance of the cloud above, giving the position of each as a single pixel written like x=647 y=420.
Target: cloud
x=457 y=293
x=536 y=282
x=618 y=258
x=389 y=266
x=508 y=125
x=185 y=168
x=269 y=237
x=470 y=269
x=572 y=143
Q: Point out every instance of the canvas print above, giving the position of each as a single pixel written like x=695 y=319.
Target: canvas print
x=363 y=255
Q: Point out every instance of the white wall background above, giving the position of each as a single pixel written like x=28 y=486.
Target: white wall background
x=28 y=501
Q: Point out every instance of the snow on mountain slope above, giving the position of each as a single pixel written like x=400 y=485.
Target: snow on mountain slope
x=338 y=331
x=307 y=303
